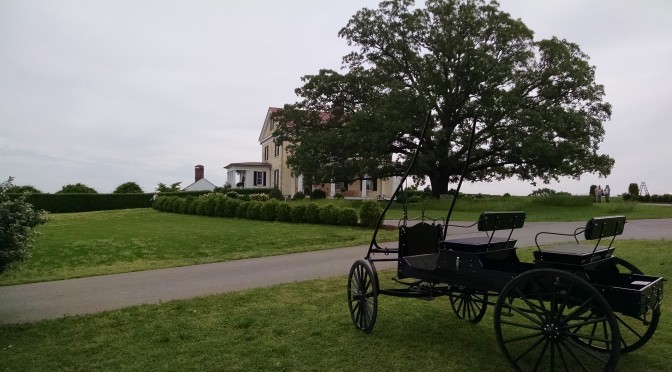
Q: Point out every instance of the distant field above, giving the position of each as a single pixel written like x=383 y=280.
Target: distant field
x=95 y=243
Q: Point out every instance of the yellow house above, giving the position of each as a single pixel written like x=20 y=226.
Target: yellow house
x=273 y=172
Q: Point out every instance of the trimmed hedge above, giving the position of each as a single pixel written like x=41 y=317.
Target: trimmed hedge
x=215 y=204
x=70 y=203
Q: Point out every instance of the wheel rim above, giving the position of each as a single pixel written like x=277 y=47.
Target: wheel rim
x=635 y=331
x=546 y=317
x=468 y=304
x=363 y=296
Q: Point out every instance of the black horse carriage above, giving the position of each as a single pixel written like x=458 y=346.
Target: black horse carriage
x=577 y=307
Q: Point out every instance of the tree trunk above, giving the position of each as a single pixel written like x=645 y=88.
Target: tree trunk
x=439 y=182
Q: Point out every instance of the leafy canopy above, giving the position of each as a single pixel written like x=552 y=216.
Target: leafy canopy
x=537 y=109
x=162 y=187
x=77 y=188
x=128 y=188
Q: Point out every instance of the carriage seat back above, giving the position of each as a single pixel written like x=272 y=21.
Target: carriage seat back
x=489 y=222
x=596 y=228
x=421 y=238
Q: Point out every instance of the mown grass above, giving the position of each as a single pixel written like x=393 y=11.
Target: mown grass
x=96 y=243
x=296 y=327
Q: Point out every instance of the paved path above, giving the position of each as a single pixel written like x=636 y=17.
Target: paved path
x=48 y=300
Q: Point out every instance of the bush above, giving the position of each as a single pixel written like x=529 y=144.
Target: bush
x=268 y=210
x=128 y=188
x=232 y=195
x=220 y=207
x=254 y=210
x=209 y=203
x=298 y=213
x=259 y=197
x=299 y=196
x=181 y=205
x=312 y=214
x=230 y=207
x=626 y=196
x=317 y=194
x=275 y=193
x=241 y=210
x=192 y=207
x=17 y=221
x=347 y=217
x=633 y=189
x=78 y=188
x=283 y=212
x=369 y=213
x=329 y=215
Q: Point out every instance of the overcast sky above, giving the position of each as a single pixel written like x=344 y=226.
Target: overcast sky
x=105 y=92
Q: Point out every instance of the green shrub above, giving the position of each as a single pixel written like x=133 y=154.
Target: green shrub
x=192 y=207
x=159 y=202
x=317 y=194
x=299 y=196
x=181 y=206
x=298 y=213
x=254 y=210
x=626 y=196
x=230 y=207
x=259 y=197
x=241 y=209
x=220 y=207
x=347 y=217
x=232 y=195
x=283 y=212
x=268 y=210
x=633 y=189
x=18 y=219
x=329 y=215
x=369 y=213
x=275 y=193
x=312 y=214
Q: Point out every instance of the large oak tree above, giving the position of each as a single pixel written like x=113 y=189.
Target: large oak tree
x=537 y=109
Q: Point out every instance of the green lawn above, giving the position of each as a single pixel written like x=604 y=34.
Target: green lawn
x=296 y=327
x=95 y=243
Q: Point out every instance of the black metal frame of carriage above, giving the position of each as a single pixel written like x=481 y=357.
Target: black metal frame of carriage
x=576 y=307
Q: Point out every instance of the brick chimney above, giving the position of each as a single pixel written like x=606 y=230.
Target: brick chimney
x=200 y=172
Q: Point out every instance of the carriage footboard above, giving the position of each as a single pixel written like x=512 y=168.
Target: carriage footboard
x=632 y=294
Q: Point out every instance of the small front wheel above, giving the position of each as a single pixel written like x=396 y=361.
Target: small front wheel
x=363 y=295
x=468 y=304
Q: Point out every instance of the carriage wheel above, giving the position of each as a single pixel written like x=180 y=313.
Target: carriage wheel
x=635 y=331
x=545 y=316
x=468 y=304
x=363 y=295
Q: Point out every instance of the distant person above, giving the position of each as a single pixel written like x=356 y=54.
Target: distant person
x=607 y=191
x=598 y=194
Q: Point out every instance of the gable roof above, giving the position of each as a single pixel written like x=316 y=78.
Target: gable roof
x=200 y=185
x=266 y=131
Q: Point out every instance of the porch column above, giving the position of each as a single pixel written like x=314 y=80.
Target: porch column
x=362 y=187
x=300 y=186
x=333 y=189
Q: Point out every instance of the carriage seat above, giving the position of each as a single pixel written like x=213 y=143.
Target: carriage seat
x=488 y=222
x=579 y=253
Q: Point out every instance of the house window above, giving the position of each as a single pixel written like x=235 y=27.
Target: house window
x=341 y=186
x=266 y=153
x=372 y=184
x=259 y=178
x=277 y=150
x=276 y=178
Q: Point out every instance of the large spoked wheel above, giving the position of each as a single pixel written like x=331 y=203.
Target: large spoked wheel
x=544 y=321
x=363 y=295
x=635 y=331
x=468 y=304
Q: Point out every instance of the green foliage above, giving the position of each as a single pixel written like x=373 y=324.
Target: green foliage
x=27 y=189
x=627 y=197
x=467 y=61
x=254 y=210
x=347 y=217
x=329 y=215
x=317 y=194
x=312 y=214
x=220 y=207
x=633 y=189
x=546 y=192
x=128 y=188
x=69 y=203
x=298 y=213
x=78 y=188
x=283 y=212
x=18 y=219
x=241 y=210
x=275 y=193
x=230 y=207
x=299 y=196
x=259 y=197
x=268 y=210
x=369 y=213
x=563 y=200
x=162 y=187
